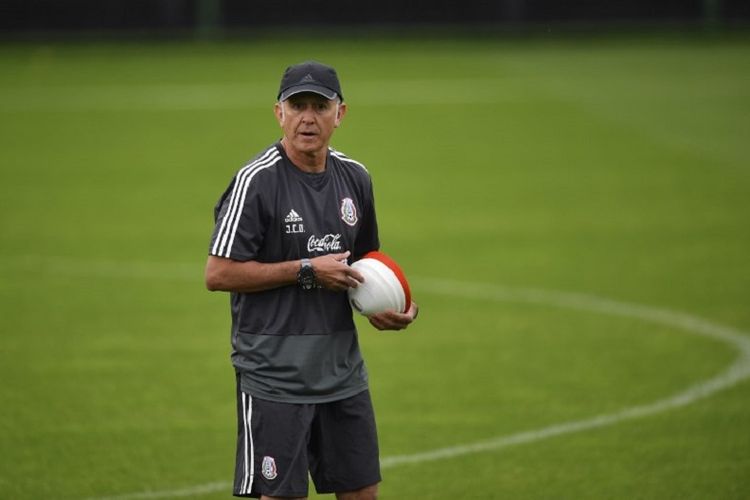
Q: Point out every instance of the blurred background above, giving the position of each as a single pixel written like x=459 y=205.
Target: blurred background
x=34 y=18
x=566 y=185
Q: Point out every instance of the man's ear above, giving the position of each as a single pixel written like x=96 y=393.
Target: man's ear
x=278 y=110
x=340 y=112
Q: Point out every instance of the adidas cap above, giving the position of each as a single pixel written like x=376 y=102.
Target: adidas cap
x=310 y=76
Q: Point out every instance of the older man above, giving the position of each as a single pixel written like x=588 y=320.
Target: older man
x=286 y=228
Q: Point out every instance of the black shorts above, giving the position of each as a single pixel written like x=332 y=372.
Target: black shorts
x=278 y=444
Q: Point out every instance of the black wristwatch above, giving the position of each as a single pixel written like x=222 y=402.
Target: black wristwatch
x=306 y=275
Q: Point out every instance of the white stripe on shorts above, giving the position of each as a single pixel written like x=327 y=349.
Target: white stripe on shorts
x=249 y=459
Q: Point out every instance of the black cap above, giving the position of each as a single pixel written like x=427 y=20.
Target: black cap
x=310 y=76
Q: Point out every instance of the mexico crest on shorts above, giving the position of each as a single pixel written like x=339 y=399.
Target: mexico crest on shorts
x=348 y=211
x=268 y=468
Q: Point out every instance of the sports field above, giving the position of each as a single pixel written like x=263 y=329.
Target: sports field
x=574 y=216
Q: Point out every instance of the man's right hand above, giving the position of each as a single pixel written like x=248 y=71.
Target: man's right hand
x=333 y=272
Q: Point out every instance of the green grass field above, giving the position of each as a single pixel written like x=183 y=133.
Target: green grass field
x=508 y=175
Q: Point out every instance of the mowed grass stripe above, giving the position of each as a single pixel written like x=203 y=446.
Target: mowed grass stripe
x=737 y=372
x=208 y=96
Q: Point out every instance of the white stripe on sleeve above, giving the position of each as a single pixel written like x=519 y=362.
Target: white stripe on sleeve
x=225 y=236
x=341 y=156
x=235 y=190
x=242 y=199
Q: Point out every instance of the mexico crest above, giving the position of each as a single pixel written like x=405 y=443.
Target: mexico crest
x=269 y=468
x=348 y=211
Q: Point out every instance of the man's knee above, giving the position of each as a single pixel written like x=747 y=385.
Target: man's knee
x=366 y=493
x=264 y=497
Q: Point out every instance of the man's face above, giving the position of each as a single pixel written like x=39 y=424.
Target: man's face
x=308 y=121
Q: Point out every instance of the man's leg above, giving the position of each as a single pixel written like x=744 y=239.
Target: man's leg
x=343 y=448
x=271 y=448
x=366 y=493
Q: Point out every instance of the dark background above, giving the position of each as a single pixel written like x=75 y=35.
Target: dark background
x=217 y=17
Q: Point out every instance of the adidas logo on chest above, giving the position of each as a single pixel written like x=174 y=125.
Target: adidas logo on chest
x=293 y=223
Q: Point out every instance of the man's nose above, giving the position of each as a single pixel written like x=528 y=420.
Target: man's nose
x=308 y=115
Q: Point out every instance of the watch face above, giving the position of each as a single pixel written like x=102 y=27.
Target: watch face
x=306 y=278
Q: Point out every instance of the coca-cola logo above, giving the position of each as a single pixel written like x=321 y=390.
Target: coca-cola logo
x=328 y=243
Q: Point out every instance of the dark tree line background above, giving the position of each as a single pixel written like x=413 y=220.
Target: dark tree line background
x=224 y=16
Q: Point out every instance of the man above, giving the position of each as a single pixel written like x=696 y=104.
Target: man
x=286 y=228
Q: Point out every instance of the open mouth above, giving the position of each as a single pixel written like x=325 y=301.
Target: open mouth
x=308 y=134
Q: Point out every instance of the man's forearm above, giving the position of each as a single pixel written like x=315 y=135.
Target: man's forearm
x=229 y=275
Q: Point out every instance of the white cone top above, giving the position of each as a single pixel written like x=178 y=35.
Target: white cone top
x=381 y=291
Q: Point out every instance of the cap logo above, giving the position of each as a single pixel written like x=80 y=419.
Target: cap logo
x=307 y=78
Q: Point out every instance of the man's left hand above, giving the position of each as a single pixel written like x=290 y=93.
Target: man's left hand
x=392 y=320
